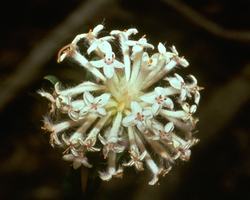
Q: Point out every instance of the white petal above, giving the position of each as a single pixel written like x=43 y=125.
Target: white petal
x=157 y=126
x=148 y=98
x=193 y=109
x=77 y=105
x=156 y=108
x=103 y=99
x=154 y=180
x=169 y=103
x=105 y=47
x=118 y=64
x=175 y=83
x=47 y=96
x=84 y=110
x=92 y=47
x=176 y=114
x=159 y=90
x=194 y=80
x=145 y=57
x=101 y=111
x=147 y=113
x=169 y=127
x=129 y=120
x=183 y=62
x=57 y=88
x=183 y=94
x=88 y=98
x=197 y=97
x=131 y=43
x=170 y=65
x=97 y=29
x=142 y=156
x=76 y=164
x=107 y=38
x=143 y=42
x=174 y=50
x=85 y=163
x=105 y=176
x=108 y=71
x=154 y=59
x=97 y=63
x=185 y=156
x=119 y=148
x=73 y=115
x=179 y=78
x=136 y=107
x=102 y=140
x=161 y=48
x=131 y=31
x=115 y=32
x=186 y=107
x=68 y=157
x=141 y=126
x=136 y=49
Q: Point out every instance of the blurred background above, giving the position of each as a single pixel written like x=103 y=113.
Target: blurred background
x=213 y=35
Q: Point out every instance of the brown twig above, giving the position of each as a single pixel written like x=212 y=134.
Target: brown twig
x=206 y=24
x=27 y=70
x=84 y=179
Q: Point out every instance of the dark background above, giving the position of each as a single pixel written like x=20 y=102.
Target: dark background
x=32 y=31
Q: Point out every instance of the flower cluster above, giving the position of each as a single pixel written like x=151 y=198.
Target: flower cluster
x=133 y=110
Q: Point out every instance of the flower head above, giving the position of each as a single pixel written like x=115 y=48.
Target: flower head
x=126 y=114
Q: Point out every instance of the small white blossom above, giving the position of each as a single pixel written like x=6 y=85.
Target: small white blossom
x=137 y=117
x=158 y=99
x=136 y=159
x=108 y=63
x=139 y=45
x=186 y=90
x=77 y=160
x=180 y=60
x=166 y=54
x=95 y=105
x=163 y=133
x=100 y=44
x=110 y=145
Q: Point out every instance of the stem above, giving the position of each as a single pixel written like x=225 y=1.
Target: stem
x=90 y=183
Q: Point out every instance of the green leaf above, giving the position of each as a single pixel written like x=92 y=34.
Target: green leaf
x=52 y=79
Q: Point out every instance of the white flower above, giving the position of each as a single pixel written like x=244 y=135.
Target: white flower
x=77 y=160
x=163 y=133
x=139 y=45
x=110 y=145
x=106 y=176
x=95 y=105
x=108 y=63
x=180 y=60
x=90 y=36
x=127 y=112
x=136 y=159
x=182 y=147
x=137 y=117
x=189 y=110
x=166 y=54
x=126 y=33
x=101 y=44
x=158 y=99
x=186 y=90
